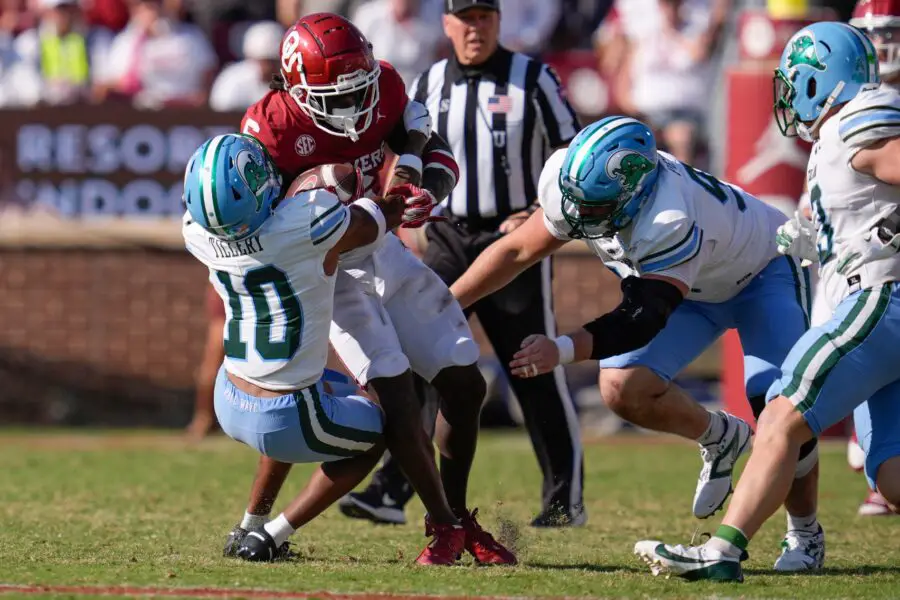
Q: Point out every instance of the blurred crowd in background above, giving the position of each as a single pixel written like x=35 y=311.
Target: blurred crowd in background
x=658 y=57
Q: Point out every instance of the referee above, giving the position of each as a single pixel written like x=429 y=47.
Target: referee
x=502 y=113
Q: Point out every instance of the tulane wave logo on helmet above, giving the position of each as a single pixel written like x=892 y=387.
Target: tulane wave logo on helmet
x=254 y=175
x=629 y=168
x=803 y=52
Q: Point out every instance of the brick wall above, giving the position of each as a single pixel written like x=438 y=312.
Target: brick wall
x=112 y=337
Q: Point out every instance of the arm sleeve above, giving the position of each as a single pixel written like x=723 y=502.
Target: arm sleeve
x=329 y=220
x=557 y=114
x=678 y=253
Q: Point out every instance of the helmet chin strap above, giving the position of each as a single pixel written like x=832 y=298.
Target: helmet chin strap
x=806 y=133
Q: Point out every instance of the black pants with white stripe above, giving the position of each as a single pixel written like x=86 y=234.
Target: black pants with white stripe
x=522 y=308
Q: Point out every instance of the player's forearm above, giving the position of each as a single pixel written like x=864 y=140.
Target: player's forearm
x=494 y=269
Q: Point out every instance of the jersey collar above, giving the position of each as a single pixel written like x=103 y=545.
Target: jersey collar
x=495 y=68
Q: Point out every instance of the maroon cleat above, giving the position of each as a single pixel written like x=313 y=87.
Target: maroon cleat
x=446 y=546
x=482 y=545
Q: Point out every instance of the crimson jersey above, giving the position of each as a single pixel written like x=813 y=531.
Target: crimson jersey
x=296 y=144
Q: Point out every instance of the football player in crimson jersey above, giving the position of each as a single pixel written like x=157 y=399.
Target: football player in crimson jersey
x=334 y=103
x=880 y=19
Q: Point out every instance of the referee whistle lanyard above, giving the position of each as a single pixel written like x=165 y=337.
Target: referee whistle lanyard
x=64 y=58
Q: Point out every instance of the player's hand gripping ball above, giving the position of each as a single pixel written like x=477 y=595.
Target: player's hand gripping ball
x=342 y=179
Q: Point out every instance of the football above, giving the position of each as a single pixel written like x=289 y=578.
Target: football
x=345 y=180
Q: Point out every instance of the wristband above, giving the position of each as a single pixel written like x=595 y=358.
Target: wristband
x=371 y=207
x=566 y=349
x=411 y=161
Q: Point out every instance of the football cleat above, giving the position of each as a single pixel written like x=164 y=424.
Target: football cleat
x=482 y=545
x=446 y=546
x=801 y=551
x=874 y=506
x=693 y=563
x=236 y=538
x=719 y=458
x=374 y=504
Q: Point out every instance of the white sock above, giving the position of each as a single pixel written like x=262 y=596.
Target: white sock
x=809 y=524
x=251 y=522
x=714 y=431
x=279 y=529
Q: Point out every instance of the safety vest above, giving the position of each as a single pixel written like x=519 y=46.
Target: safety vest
x=65 y=58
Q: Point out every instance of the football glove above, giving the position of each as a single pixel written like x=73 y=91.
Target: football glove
x=863 y=249
x=797 y=238
x=417 y=118
x=419 y=204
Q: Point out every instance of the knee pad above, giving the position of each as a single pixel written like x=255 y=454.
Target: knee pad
x=809 y=456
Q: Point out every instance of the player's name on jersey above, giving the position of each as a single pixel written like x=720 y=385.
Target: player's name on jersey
x=223 y=249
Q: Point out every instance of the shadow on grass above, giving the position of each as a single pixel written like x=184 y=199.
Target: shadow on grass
x=833 y=571
x=594 y=568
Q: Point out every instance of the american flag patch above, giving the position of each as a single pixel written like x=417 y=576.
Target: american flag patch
x=500 y=104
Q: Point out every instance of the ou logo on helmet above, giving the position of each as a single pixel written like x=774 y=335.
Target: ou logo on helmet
x=290 y=55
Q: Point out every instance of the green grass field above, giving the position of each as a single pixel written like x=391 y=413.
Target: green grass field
x=145 y=509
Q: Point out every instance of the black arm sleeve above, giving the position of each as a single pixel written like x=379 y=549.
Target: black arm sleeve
x=645 y=308
x=396 y=141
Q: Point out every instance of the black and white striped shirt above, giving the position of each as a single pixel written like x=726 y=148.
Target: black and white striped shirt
x=502 y=119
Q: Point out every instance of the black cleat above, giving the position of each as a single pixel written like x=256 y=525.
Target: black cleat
x=235 y=543
x=374 y=504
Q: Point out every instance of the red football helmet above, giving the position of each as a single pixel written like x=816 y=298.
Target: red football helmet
x=330 y=71
x=880 y=19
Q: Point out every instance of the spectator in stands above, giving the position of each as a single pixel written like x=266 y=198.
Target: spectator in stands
x=158 y=60
x=241 y=84
x=225 y=21
x=658 y=52
x=111 y=14
x=15 y=17
x=527 y=25
x=400 y=35
x=63 y=52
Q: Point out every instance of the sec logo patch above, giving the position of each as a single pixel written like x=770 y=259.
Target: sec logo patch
x=305 y=145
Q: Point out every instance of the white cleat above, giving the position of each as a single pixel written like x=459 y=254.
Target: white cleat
x=801 y=551
x=693 y=563
x=874 y=506
x=719 y=458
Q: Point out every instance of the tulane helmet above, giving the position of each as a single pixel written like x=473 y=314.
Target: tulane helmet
x=609 y=170
x=822 y=65
x=230 y=185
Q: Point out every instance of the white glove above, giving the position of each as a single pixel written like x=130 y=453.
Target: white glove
x=417 y=118
x=863 y=249
x=797 y=238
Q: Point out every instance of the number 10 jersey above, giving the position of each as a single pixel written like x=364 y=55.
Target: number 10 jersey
x=278 y=299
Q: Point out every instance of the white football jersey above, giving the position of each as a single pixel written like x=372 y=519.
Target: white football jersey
x=278 y=299
x=712 y=236
x=844 y=202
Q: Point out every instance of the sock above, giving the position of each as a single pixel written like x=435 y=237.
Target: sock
x=808 y=524
x=251 y=522
x=279 y=529
x=714 y=431
x=729 y=540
